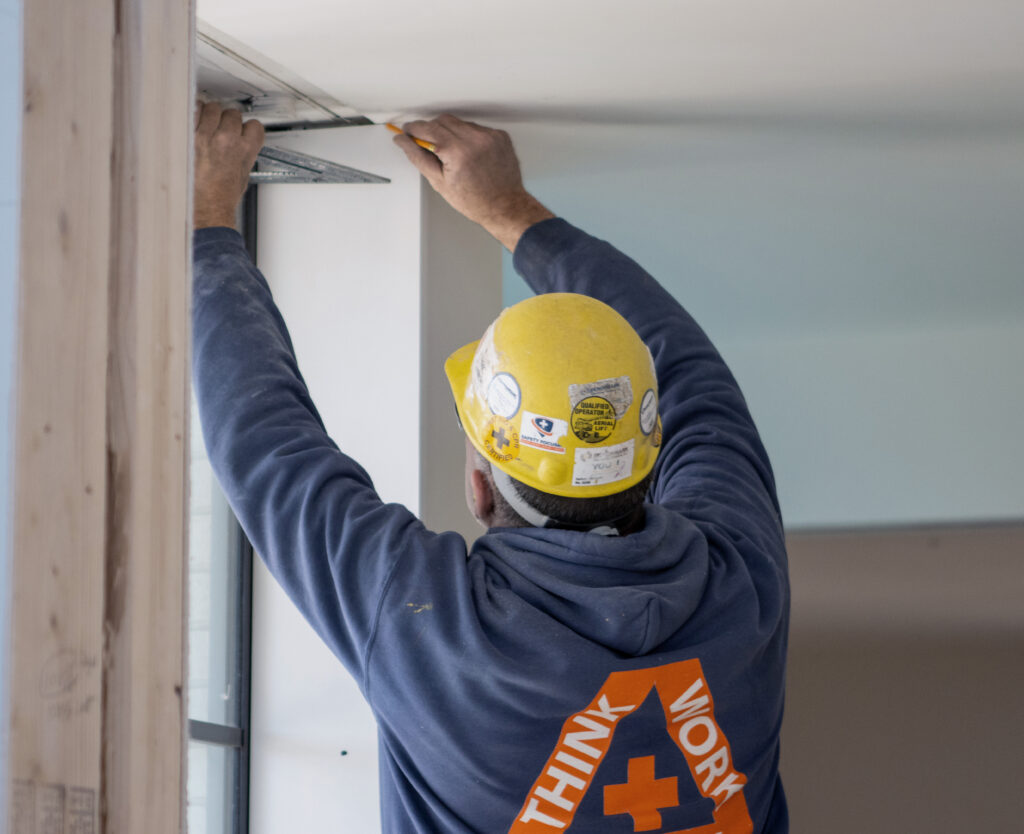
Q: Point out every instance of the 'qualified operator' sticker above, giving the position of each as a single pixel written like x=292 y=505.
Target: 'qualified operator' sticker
x=593 y=419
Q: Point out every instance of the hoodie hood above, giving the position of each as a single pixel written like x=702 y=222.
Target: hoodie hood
x=627 y=593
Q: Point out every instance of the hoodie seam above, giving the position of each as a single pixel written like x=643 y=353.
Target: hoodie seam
x=647 y=627
x=372 y=639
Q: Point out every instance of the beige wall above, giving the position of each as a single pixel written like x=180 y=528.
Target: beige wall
x=905 y=704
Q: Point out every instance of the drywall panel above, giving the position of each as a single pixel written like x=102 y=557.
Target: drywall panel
x=808 y=228
x=10 y=134
x=378 y=283
x=344 y=265
x=891 y=427
x=346 y=260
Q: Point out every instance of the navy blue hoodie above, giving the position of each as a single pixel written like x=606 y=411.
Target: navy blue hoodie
x=544 y=680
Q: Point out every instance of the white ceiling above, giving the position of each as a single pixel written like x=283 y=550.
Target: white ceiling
x=656 y=61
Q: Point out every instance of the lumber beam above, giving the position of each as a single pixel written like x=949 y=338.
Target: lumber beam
x=97 y=621
x=147 y=421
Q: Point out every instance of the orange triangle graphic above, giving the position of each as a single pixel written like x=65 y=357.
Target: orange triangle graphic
x=587 y=735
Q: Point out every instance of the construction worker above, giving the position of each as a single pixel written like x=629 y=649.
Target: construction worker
x=609 y=656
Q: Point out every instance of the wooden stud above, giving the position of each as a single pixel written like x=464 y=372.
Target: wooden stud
x=59 y=519
x=97 y=619
x=147 y=398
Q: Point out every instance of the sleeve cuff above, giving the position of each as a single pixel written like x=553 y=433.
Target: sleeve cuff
x=538 y=242
x=217 y=235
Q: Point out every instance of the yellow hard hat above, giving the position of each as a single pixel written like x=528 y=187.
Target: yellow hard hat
x=560 y=394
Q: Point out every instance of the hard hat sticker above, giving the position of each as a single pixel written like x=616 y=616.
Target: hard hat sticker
x=603 y=465
x=485 y=365
x=503 y=395
x=542 y=432
x=501 y=440
x=618 y=391
x=648 y=411
x=593 y=419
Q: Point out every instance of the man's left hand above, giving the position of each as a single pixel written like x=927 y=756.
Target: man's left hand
x=226 y=150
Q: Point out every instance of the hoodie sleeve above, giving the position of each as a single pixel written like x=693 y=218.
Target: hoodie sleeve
x=712 y=466
x=310 y=511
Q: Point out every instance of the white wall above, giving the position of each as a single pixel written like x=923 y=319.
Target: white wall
x=10 y=137
x=914 y=425
x=351 y=267
x=862 y=279
x=343 y=262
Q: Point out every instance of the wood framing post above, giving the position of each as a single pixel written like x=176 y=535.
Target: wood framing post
x=97 y=621
x=147 y=421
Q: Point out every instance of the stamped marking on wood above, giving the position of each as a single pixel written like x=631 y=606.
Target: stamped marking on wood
x=51 y=809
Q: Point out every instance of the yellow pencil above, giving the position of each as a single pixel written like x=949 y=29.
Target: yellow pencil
x=423 y=143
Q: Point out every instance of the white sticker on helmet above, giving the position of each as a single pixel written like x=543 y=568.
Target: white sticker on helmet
x=503 y=395
x=648 y=411
x=618 y=391
x=542 y=432
x=599 y=465
x=485 y=364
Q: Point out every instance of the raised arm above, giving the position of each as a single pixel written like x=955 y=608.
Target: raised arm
x=310 y=511
x=713 y=465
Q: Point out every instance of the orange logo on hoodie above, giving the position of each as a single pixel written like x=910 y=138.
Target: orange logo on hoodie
x=586 y=737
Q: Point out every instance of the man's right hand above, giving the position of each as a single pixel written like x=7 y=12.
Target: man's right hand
x=225 y=152
x=475 y=169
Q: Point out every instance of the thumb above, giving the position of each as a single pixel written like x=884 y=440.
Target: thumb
x=426 y=163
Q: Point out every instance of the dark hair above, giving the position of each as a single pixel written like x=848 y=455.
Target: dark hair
x=571 y=510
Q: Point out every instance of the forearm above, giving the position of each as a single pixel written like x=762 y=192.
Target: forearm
x=310 y=511
x=249 y=389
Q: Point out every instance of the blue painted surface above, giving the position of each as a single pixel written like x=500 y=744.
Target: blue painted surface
x=10 y=132
x=868 y=294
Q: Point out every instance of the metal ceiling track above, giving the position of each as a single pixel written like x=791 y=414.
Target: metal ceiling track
x=233 y=74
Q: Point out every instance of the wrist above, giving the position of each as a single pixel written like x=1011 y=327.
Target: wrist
x=514 y=217
x=207 y=216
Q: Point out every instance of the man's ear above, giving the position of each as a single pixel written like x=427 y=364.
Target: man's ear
x=483 y=498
